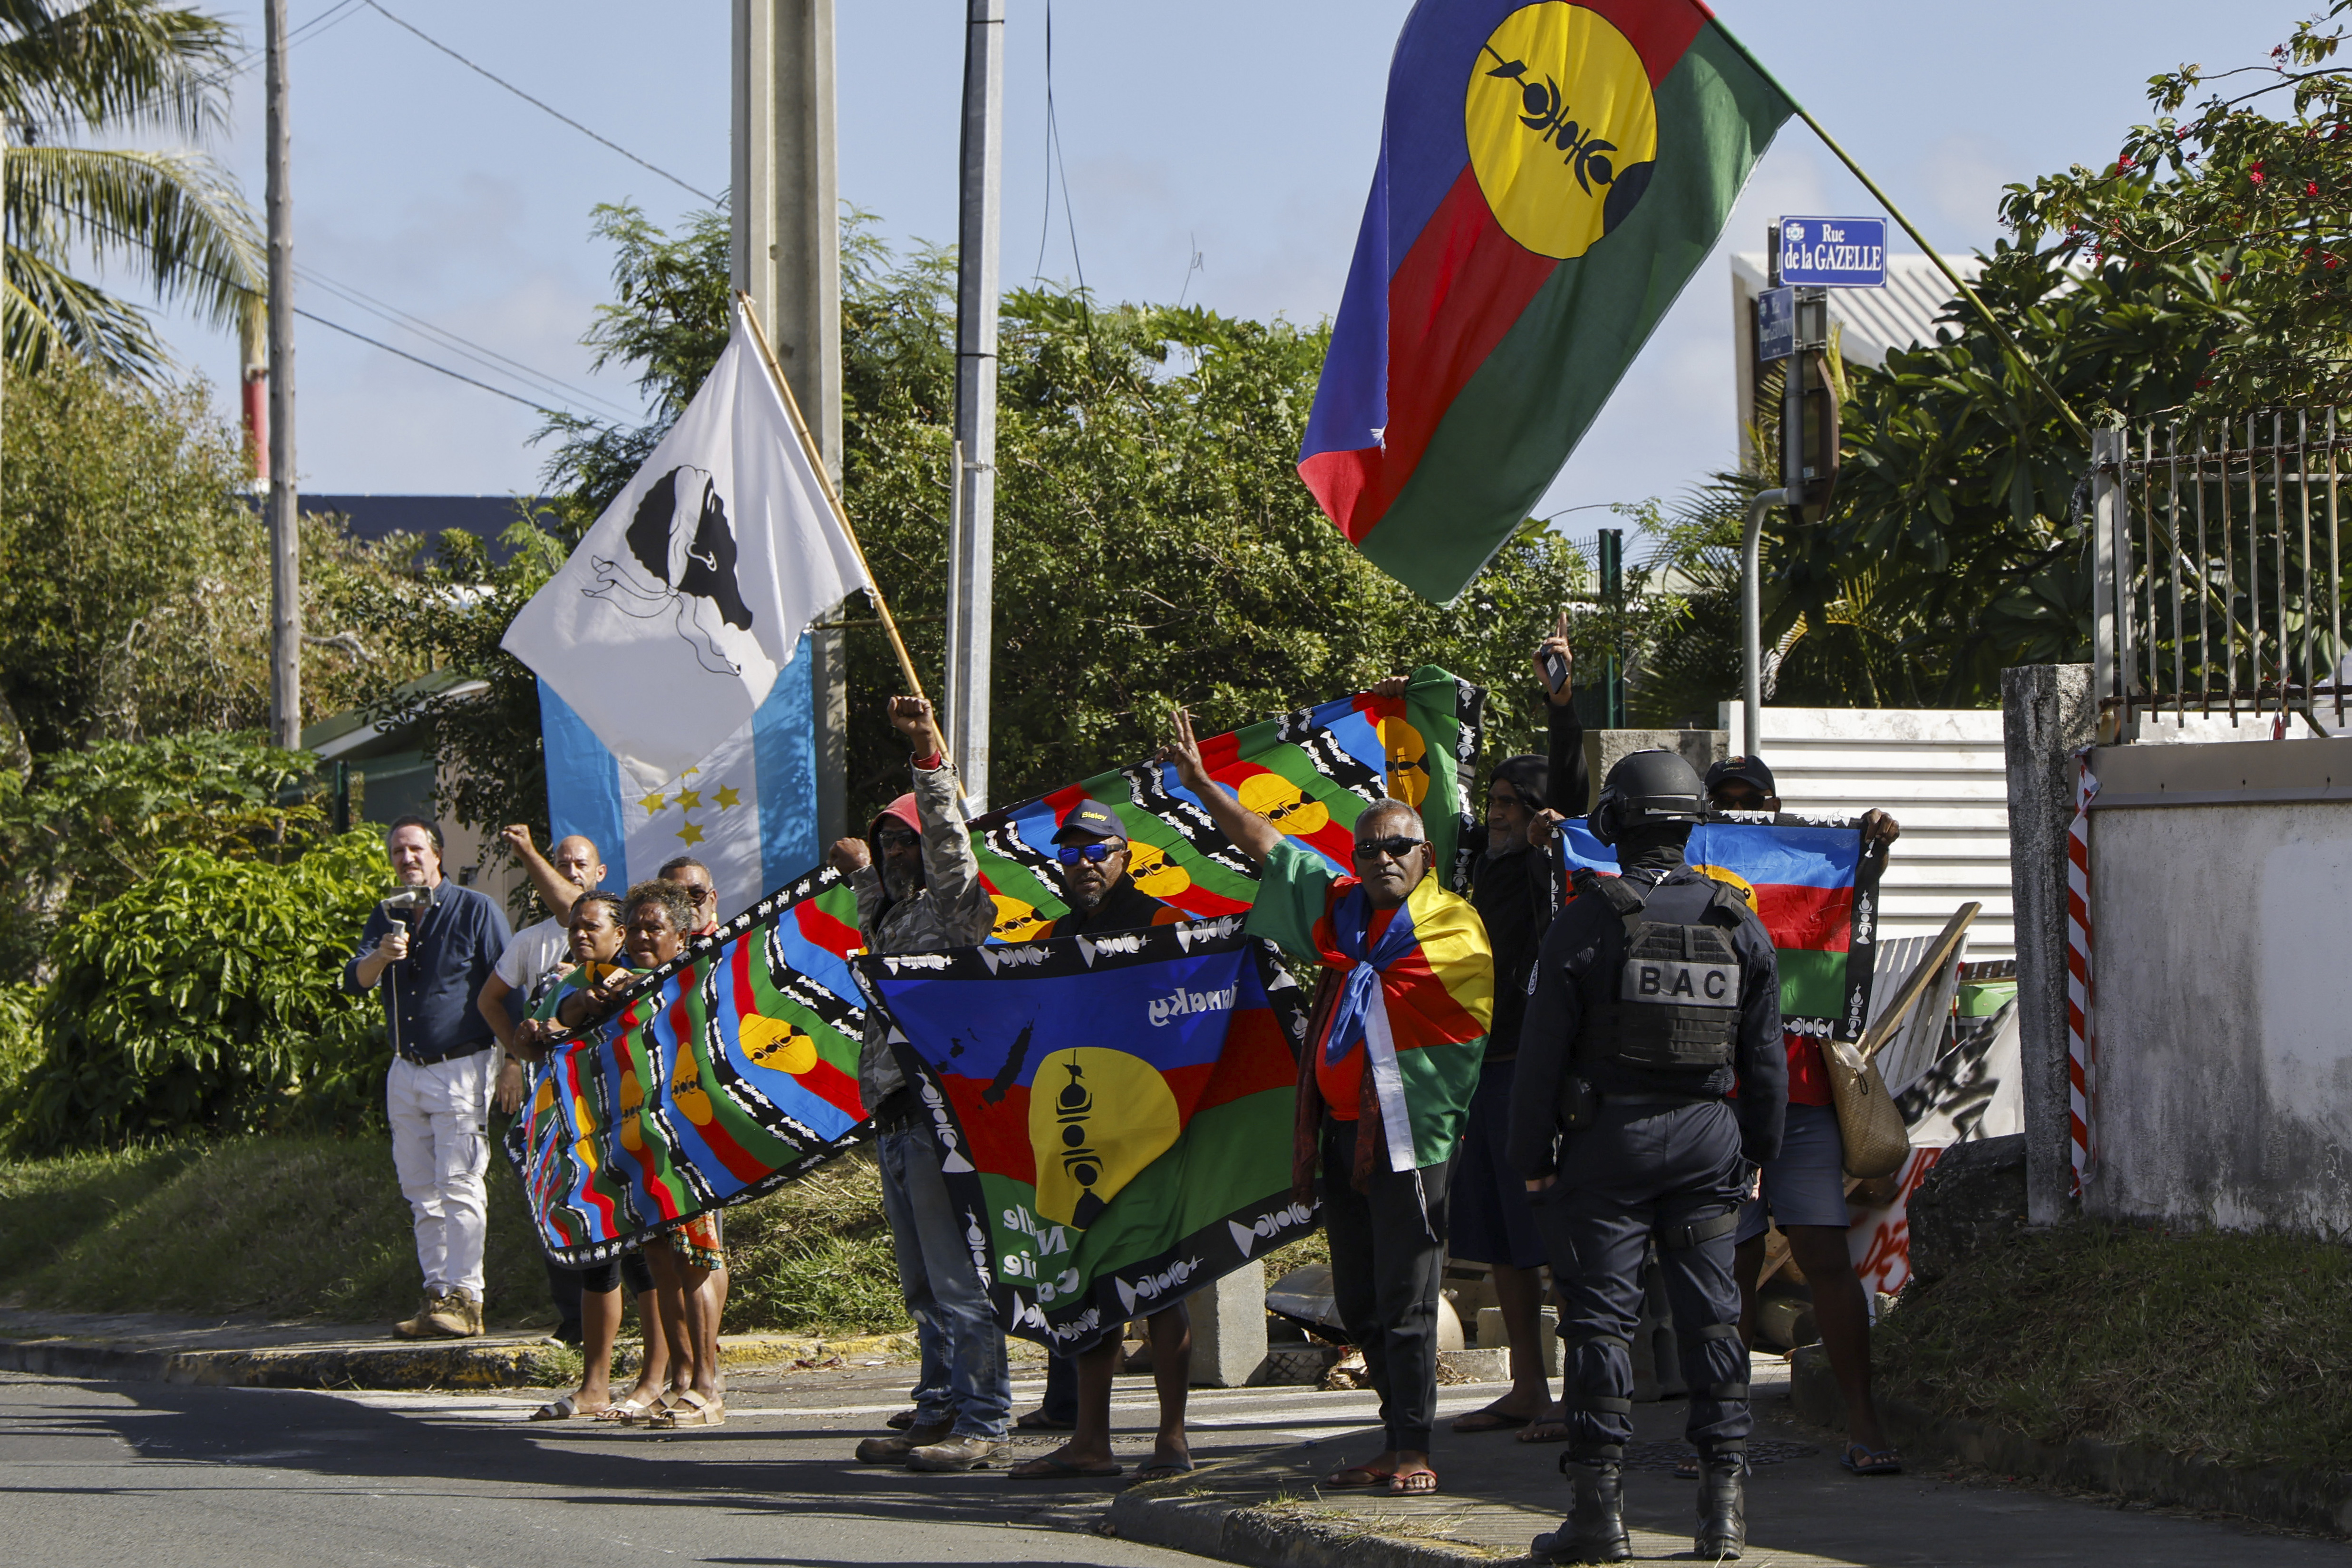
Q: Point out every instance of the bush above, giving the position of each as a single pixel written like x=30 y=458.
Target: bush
x=207 y=998
x=20 y=1048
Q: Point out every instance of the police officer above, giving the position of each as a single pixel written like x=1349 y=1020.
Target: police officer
x=1654 y=994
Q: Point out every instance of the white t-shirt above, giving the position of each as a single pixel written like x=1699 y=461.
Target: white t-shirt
x=537 y=955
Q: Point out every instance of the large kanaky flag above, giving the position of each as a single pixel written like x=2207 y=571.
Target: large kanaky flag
x=1550 y=176
x=667 y=627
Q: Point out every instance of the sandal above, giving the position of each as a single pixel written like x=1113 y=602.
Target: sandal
x=625 y=1412
x=1544 y=1431
x=1343 y=1479
x=1046 y=1468
x=1490 y=1419
x=1866 y=1461
x=690 y=1410
x=565 y=1408
x=1038 y=1421
x=1413 y=1483
x=1160 y=1469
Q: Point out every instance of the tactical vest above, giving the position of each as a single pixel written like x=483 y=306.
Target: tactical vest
x=1679 y=992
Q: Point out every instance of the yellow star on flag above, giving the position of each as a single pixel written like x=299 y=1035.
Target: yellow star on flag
x=726 y=796
x=690 y=799
x=652 y=803
x=690 y=833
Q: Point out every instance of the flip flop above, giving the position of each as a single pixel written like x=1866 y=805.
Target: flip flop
x=1544 y=1432
x=691 y=1409
x=1163 y=1469
x=1340 y=1479
x=1489 y=1420
x=1046 y=1468
x=1864 y=1461
x=1038 y=1421
x=1413 y=1483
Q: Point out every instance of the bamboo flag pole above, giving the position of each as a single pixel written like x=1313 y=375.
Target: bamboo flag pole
x=840 y=512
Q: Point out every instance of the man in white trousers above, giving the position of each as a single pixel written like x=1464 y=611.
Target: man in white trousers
x=430 y=947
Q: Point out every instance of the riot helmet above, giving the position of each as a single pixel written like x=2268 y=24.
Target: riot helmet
x=1645 y=788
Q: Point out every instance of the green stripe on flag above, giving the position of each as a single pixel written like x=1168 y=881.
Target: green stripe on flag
x=1812 y=984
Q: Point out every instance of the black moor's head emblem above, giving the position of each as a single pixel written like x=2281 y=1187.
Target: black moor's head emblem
x=681 y=562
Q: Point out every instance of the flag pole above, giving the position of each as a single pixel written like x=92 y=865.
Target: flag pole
x=840 y=512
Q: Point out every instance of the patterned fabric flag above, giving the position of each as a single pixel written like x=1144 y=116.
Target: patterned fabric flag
x=1817 y=897
x=1113 y=1113
x=738 y=1069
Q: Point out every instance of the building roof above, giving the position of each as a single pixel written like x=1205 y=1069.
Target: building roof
x=1899 y=316
x=376 y=517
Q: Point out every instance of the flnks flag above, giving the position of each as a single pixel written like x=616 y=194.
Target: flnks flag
x=1550 y=176
x=1809 y=882
x=737 y=1068
x=667 y=628
x=747 y=810
x=1113 y=1114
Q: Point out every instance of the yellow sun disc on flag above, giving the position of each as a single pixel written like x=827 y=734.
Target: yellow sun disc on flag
x=1283 y=804
x=1562 y=127
x=1148 y=867
x=772 y=1044
x=1747 y=889
x=1096 y=1117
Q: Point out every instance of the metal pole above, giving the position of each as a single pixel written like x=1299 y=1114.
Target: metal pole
x=971 y=553
x=1611 y=547
x=1751 y=614
x=285 y=553
x=2106 y=591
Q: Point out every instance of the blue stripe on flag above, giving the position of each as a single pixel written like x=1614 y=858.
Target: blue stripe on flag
x=583 y=785
x=783 y=751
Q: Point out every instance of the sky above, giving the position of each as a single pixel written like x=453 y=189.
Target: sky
x=1216 y=150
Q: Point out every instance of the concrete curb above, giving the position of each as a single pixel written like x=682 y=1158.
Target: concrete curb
x=1163 y=1514
x=500 y=1363
x=2275 y=1494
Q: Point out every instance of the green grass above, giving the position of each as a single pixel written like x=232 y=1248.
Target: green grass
x=2221 y=1345
x=296 y=1227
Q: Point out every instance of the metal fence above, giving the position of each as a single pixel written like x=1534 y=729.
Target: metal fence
x=2218 y=580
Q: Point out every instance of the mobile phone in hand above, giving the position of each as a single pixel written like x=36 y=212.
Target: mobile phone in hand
x=1555 y=670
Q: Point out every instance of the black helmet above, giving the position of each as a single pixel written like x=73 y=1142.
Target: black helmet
x=1643 y=787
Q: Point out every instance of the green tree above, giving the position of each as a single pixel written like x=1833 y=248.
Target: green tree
x=206 y=998
x=1154 y=545
x=72 y=70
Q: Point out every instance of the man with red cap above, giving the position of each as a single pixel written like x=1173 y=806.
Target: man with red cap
x=918 y=891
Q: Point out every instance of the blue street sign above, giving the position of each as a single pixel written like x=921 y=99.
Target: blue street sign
x=1775 y=323
x=1834 y=253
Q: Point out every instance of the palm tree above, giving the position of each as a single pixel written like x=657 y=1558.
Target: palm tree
x=74 y=69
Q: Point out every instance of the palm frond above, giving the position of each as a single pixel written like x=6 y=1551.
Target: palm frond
x=46 y=314
x=175 y=219
x=69 y=66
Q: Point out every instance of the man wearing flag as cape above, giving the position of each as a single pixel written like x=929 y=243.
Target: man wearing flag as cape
x=1391 y=1060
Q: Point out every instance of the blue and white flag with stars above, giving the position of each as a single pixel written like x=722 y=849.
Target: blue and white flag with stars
x=747 y=810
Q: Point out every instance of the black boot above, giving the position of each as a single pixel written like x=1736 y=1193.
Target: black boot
x=1722 y=1505
x=1594 y=1531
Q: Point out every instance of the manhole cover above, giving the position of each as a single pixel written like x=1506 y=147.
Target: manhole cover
x=1669 y=1455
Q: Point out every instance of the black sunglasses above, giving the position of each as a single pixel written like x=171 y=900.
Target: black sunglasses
x=1094 y=853
x=1395 y=849
x=897 y=838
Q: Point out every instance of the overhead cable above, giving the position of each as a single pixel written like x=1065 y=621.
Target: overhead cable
x=537 y=104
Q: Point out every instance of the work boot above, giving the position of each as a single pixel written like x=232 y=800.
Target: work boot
x=1722 y=1505
x=894 y=1450
x=969 y=1452
x=473 y=1313
x=1594 y=1531
x=437 y=1307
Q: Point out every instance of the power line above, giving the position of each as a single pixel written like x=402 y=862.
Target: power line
x=537 y=104
x=416 y=360
x=308 y=30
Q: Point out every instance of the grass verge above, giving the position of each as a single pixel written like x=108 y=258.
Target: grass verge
x=2217 y=1346
x=315 y=1227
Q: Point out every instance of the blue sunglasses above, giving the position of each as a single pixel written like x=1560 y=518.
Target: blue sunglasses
x=1094 y=853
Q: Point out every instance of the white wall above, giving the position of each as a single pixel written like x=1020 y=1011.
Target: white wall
x=2223 y=1010
x=1939 y=772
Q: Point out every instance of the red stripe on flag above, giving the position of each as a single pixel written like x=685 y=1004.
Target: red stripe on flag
x=826 y=932
x=998 y=1135
x=1818 y=919
x=1660 y=33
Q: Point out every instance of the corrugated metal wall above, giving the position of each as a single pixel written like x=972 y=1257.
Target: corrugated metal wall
x=1941 y=773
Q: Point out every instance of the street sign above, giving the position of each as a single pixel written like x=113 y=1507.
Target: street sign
x=1776 y=324
x=1834 y=253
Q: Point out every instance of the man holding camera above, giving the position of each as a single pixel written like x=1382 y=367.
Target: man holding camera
x=432 y=946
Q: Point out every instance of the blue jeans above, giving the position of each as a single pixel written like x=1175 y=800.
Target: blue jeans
x=964 y=1383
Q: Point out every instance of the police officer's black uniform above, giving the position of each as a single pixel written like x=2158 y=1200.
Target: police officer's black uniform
x=1655 y=993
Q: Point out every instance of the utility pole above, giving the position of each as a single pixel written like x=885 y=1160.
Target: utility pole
x=785 y=210
x=285 y=553
x=972 y=547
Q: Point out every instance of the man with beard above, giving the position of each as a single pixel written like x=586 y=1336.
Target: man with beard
x=918 y=891
x=1091 y=844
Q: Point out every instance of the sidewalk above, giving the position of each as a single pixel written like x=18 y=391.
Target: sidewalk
x=1268 y=1509
x=261 y=1353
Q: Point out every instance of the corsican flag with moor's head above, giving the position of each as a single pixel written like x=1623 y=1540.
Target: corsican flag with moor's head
x=1550 y=176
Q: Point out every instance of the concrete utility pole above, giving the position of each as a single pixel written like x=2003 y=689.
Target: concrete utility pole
x=786 y=210
x=972 y=548
x=285 y=552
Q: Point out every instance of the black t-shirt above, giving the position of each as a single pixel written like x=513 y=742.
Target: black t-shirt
x=1126 y=907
